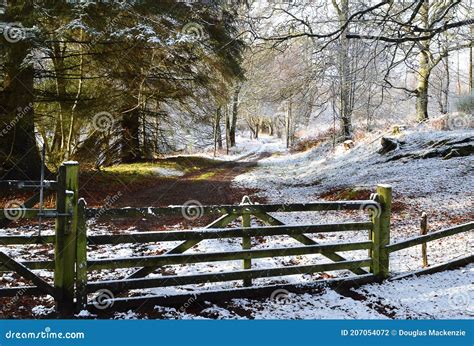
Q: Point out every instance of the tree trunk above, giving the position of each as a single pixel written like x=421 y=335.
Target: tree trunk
x=471 y=82
x=130 y=143
x=446 y=87
x=217 y=131
x=227 y=130
x=253 y=132
x=19 y=155
x=424 y=69
x=288 y=125
x=345 y=108
x=458 y=80
x=422 y=97
x=470 y=66
x=80 y=84
x=233 y=124
x=57 y=146
x=422 y=88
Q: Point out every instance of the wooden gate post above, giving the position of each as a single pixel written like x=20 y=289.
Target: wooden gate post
x=424 y=231
x=381 y=232
x=66 y=230
x=81 y=257
x=246 y=245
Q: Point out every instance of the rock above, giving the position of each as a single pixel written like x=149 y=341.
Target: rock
x=459 y=151
x=388 y=144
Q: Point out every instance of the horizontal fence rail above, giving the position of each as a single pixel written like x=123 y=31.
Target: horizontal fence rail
x=26 y=239
x=22 y=291
x=220 y=233
x=231 y=209
x=197 y=234
x=153 y=261
x=430 y=237
x=20 y=184
x=33 y=265
x=167 y=281
x=256 y=292
x=27 y=213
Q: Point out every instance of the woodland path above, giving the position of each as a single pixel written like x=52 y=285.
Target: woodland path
x=212 y=185
x=209 y=185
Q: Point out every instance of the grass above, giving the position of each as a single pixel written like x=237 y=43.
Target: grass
x=208 y=175
x=145 y=171
x=144 y=177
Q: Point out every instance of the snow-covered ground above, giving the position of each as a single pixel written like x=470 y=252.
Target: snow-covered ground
x=440 y=187
x=444 y=295
x=304 y=176
x=246 y=149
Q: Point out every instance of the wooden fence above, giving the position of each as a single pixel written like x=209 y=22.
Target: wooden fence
x=71 y=265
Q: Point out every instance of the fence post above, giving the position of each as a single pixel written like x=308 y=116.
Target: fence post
x=381 y=232
x=66 y=230
x=424 y=231
x=81 y=257
x=246 y=245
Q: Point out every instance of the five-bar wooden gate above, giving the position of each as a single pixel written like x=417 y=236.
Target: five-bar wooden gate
x=71 y=266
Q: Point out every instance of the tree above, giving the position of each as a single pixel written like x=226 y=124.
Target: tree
x=402 y=29
x=112 y=81
x=235 y=111
x=18 y=149
x=417 y=29
x=344 y=67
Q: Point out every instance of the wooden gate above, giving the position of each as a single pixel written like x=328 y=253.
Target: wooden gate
x=64 y=240
x=74 y=290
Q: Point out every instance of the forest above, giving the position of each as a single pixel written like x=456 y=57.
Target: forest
x=134 y=117
x=124 y=82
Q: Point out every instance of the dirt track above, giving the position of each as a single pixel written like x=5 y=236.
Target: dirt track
x=211 y=185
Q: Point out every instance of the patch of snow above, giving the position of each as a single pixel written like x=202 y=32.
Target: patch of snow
x=448 y=294
x=129 y=315
x=41 y=310
x=85 y=313
x=167 y=172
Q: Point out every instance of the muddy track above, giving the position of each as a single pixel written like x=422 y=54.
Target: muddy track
x=209 y=186
x=212 y=185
